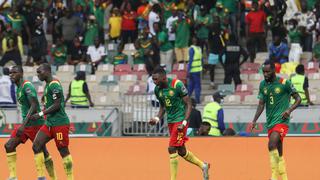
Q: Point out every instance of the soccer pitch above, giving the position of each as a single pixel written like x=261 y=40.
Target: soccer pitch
x=234 y=158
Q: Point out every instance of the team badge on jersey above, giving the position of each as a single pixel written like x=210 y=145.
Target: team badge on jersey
x=171 y=93
x=277 y=90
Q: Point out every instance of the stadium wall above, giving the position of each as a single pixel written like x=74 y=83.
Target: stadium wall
x=235 y=158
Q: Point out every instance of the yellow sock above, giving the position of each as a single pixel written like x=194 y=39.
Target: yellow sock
x=274 y=161
x=282 y=169
x=39 y=158
x=50 y=168
x=190 y=157
x=67 y=165
x=12 y=164
x=173 y=165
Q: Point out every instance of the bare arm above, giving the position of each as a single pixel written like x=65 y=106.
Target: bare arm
x=297 y=101
x=260 y=109
x=306 y=91
x=161 y=112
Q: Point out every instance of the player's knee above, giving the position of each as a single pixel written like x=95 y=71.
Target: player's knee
x=272 y=146
x=172 y=150
x=182 y=153
x=8 y=147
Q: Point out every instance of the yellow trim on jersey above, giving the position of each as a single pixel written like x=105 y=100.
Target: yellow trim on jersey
x=54 y=81
x=175 y=83
x=284 y=81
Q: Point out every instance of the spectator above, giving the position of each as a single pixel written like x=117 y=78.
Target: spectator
x=91 y=31
x=277 y=11
x=166 y=48
x=255 y=21
x=79 y=92
x=202 y=28
x=120 y=57
x=316 y=51
x=195 y=118
x=205 y=129
x=7 y=89
x=301 y=83
x=295 y=39
x=278 y=51
x=167 y=6
x=143 y=12
x=233 y=53
x=233 y=11
x=115 y=25
x=59 y=52
x=150 y=91
x=55 y=14
x=213 y=114
x=170 y=21
x=95 y=8
x=39 y=42
x=128 y=27
x=71 y=26
x=18 y=22
x=181 y=27
x=154 y=16
x=77 y=54
x=195 y=69
x=11 y=47
x=216 y=46
x=96 y=53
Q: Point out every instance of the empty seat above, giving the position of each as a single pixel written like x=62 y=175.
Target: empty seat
x=311 y=67
x=226 y=89
x=128 y=77
x=129 y=49
x=179 y=67
x=84 y=67
x=139 y=70
x=122 y=69
x=232 y=100
x=244 y=77
x=109 y=80
x=207 y=99
x=105 y=68
x=173 y=76
x=243 y=90
x=255 y=77
x=137 y=89
x=251 y=100
x=250 y=68
x=66 y=68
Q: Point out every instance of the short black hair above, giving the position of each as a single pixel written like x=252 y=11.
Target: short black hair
x=229 y=132
x=6 y=71
x=159 y=70
x=19 y=68
x=80 y=75
x=46 y=67
x=300 y=69
x=268 y=62
x=205 y=123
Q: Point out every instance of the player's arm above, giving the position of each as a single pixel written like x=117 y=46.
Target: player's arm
x=56 y=103
x=297 y=99
x=260 y=108
x=187 y=101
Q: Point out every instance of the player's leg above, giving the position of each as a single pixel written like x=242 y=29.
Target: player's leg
x=190 y=157
x=67 y=162
x=42 y=138
x=49 y=164
x=274 y=139
x=10 y=148
x=282 y=163
x=173 y=162
x=61 y=138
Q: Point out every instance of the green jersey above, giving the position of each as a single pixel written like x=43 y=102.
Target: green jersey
x=171 y=99
x=52 y=91
x=26 y=91
x=276 y=96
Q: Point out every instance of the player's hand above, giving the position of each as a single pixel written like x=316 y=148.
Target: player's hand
x=20 y=131
x=154 y=121
x=286 y=114
x=180 y=127
x=253 y=125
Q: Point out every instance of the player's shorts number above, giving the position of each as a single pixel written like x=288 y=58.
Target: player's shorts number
x=59 y=136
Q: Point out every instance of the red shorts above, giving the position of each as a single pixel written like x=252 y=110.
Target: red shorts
x=59 y=133
x=29 y=132
x=177 y=138
x=282 y=129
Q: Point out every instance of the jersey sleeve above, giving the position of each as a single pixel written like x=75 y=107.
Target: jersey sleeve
x=261 y=95
x=56 y=90
x=30 y=91
x=181 y=89
x=290 y=88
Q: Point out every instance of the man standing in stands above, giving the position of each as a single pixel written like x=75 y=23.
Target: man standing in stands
x=174 y=99
x=79 y=92
x=7 y=89
x=275 y=94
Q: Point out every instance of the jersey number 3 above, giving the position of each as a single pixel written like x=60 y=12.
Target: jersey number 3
x=271 y=100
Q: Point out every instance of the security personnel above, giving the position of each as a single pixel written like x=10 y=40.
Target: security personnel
x=213 y=114
x=301 y=83
x=233 y=52
x=79 y=92
x=195 y=69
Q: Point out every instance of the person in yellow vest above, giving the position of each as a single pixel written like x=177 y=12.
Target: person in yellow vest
x=79 y=92
x=301 y=83
x=213 y=114
x=195 y=69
